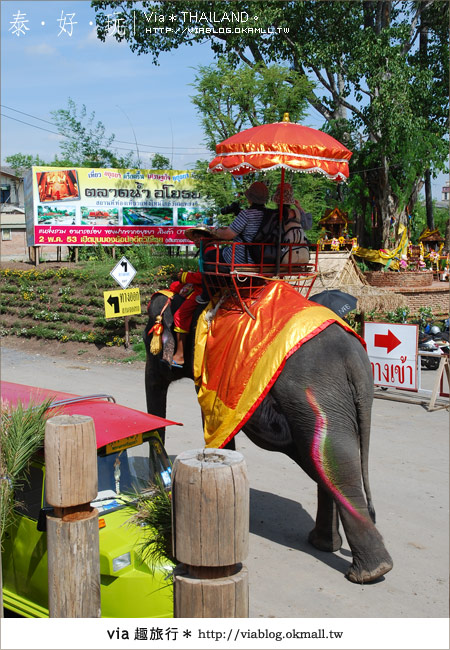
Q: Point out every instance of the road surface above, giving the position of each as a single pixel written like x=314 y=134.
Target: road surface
x=288 y=577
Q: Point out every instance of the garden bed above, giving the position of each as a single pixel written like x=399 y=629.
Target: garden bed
x=63 y=303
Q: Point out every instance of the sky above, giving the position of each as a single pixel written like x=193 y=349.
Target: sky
x=50 y=52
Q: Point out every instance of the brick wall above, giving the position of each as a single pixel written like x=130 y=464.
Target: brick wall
x=436 y=297
x=400 y=279
x=16 y=246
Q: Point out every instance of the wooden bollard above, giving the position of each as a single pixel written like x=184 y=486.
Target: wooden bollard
x=72 y=533
x=210 y=523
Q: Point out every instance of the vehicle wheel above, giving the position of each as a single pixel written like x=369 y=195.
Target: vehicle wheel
x=433 y=364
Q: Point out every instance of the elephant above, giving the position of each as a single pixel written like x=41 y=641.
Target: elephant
x=318 y=412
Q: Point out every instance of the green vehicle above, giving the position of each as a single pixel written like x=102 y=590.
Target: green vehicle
x=130 y=456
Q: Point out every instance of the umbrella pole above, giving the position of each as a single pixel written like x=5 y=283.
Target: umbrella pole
x=280 y=223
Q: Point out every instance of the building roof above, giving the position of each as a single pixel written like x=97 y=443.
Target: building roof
x=9 y=171
x=335 y=215
x=431 y=235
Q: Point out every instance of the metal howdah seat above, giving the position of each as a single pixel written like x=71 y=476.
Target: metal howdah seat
x=238 y=285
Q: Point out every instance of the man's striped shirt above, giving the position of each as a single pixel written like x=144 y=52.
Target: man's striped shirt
x=246 y=226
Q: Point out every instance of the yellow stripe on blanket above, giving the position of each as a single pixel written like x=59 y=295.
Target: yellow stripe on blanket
x=237 y=359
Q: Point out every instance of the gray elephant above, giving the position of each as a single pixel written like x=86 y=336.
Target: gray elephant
x=317 y=412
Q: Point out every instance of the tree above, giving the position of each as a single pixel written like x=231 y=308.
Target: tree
x=85 y=143
x=387 y=103
x=20 y=162
x=161 y=162
x=232 y=98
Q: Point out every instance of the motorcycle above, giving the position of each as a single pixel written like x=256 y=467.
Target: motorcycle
x=434 y=352
x=441 y=338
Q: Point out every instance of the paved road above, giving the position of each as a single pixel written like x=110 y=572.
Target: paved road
x=288 y=578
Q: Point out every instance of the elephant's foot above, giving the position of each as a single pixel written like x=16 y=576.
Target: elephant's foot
x=323 y=542
x=362 y=576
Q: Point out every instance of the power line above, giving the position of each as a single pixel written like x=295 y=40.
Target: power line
x=28 y=124
x=41 y=128
x=150 y=146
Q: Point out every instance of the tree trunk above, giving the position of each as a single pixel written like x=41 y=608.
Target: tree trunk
x=385 y=205
x=429 y=200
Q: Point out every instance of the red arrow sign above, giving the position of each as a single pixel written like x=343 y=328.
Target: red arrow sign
x=388 y=341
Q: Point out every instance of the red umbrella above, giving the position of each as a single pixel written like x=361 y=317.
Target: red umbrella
x=284 y=145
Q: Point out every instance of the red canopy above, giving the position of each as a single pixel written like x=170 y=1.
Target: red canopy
x=112 y=421
x=282 y=144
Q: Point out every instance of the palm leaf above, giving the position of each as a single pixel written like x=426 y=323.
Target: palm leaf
x=154 y=516
x=22 y=432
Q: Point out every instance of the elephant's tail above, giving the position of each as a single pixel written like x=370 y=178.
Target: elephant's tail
x=364 y=418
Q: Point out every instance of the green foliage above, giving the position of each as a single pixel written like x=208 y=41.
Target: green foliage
x=230 y=99
x=425 y=316
x=400 y=315
x=380 y=70
x=160 y=162
x=418 y=221
x=67 y=304
x=22 y=431
x=140 y=353
x=154 y=517
x=85 y=142
x=21 y=163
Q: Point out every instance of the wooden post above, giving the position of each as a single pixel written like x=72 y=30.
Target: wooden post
x=127 y=332
x=72 y=533
x=210 y=511
x=444 y=367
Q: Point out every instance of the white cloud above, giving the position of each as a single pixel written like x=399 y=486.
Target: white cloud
x=41 y=49
x=92 y=38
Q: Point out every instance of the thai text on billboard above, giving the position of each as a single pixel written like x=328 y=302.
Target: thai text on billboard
x=77 y=206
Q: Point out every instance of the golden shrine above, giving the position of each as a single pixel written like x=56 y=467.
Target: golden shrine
x=431 y=243
x=334 y=229
x=432 y=240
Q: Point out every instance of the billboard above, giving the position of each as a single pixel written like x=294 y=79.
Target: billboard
x=87 y=207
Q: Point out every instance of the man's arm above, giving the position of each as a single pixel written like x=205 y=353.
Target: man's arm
x=225 y=233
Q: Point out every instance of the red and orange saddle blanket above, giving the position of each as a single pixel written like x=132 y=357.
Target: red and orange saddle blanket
x=237 y=359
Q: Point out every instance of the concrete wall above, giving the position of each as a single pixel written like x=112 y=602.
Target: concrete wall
x=16 y=247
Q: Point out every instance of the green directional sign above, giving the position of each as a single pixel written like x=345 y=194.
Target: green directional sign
x=122 y=302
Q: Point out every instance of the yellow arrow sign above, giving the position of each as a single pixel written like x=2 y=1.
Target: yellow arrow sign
x=122 y=302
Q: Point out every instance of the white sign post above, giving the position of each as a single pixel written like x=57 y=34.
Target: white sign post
x=392 y=351
x=123 y=272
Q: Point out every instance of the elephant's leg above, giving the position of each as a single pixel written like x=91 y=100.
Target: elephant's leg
x=325 y=535
x=156 y=387
x=335 y=464
x=371 y=560
x=343 y=480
